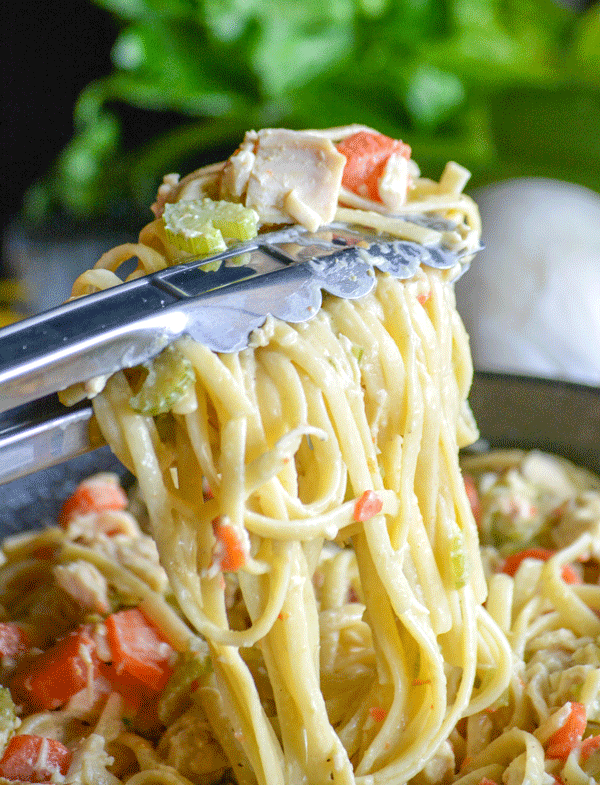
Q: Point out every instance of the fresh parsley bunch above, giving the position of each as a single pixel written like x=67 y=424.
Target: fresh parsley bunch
x=506 y=87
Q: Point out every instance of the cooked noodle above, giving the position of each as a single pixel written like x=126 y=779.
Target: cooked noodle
x=346 y=647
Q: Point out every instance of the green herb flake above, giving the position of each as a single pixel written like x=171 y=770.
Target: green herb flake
x=357 y=352
x=458 y=561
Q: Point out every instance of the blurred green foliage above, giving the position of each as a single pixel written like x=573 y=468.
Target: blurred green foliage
x=505 y=87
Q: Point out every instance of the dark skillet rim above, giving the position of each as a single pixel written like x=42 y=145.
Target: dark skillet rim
x=511 y=410
x=532 y=412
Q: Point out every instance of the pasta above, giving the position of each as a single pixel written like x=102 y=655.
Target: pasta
x=320 y=568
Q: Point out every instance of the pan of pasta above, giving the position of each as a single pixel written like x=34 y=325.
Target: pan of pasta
x=303 y=562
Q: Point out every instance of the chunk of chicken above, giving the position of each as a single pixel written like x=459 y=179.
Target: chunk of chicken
x=236 y=173
x=84 y=583
x=166 y=190
x=286 y=176
x=394 y=183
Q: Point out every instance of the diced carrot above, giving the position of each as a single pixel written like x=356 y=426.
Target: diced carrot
x=136 y=695
x=352 y=595
x=13 y=639
x=513 y=562
x=93 y=495
x=377 y=713
x=473 y=497
x=589 y=746
x=48 y=680
x=466 y=762
x=366 y=156
x=29 y=758
x=206 y=490
x=230 y=551
x=367 y=506
x=567 y=737
x=138 y=649
x=45 y=552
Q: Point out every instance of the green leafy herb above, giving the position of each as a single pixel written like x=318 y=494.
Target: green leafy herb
x=505 y=87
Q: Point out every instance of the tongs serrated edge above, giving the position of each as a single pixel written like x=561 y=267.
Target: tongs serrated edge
x=285 y=276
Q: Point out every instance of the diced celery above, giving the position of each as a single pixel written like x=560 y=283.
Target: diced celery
x=169 y=378
x=357 y=352
x=458 y=561
x=208 y=240
x=239 y=261
x=234 y=220
x=212 y=267
x=200 y=225
x=191 y=670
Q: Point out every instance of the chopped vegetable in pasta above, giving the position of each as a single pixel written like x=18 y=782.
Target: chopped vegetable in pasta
x=320 y=592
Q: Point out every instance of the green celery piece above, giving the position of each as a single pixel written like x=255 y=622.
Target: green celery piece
x=357 y=352
x=234 y=220
x=458 y=561
x=8 y=716
x=190 y=223
x=205 y=240
x=169 y=378
x=190 y=229
x=191 y=670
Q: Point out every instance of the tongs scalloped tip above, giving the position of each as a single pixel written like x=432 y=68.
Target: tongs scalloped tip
x=127 y=325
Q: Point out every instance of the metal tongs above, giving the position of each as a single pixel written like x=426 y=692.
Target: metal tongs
x=281 y=274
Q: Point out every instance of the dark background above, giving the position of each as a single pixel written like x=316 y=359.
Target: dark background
x=49 y=52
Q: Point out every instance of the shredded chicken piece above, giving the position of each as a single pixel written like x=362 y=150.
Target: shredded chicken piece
x=84 y=583
x=166 y=190
x=286 y=176
x=394 y=183
x=140 y=555
x=236 y=173
x=88 y=527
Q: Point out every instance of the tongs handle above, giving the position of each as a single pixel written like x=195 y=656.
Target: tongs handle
x=126 y=325
x=96 y=334
x=283 y=275
x=44 y=433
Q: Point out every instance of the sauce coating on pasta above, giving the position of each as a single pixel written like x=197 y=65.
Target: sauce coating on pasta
x=307 y=600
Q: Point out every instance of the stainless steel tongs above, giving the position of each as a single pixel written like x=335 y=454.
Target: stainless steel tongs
x=281 y=274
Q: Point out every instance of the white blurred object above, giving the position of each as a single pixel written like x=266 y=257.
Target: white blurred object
x=531 y=299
